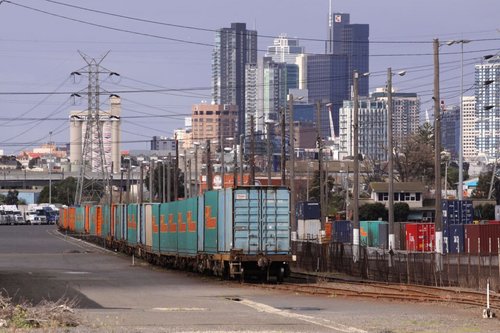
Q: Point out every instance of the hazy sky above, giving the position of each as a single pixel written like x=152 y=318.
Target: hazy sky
x=39 y=51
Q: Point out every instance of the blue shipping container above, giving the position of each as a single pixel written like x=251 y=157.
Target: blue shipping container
x=308 y=210
x=456 y=237
x=342 y=231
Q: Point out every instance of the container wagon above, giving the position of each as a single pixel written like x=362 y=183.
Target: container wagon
x=230 y=232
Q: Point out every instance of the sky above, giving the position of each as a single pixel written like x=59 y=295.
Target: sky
x=165 y=68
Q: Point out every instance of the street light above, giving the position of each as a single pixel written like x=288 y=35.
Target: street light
x=392 y=238
x=460 y=129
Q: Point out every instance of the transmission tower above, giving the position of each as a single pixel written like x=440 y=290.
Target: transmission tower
x=93 y=179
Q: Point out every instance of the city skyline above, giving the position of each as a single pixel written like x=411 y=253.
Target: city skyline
x=40 y=60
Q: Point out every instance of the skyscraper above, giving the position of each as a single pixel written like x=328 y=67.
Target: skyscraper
x=235 y=47
x=351 y=40
x=326 y=83
x=285 y=49
x=487 y=91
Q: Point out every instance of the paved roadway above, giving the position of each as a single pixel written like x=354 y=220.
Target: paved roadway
x=37 y=262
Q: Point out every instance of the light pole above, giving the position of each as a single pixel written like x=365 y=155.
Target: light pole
x=461 y=130
x=390 y=156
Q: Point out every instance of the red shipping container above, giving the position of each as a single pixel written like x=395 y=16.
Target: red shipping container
x=493 y=222
x=420 y=237
x=482 y=238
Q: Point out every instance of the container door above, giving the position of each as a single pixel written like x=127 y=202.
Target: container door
x=148 y=222
x=132 y=224
x=212 y=214
x=262 y=220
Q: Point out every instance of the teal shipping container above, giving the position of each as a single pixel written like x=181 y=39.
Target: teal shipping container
x=262 y=220
x=225 y=221
x=117 y=221
x=93 y=220
x=151 y=215
x=187 y=226
x=158 y=226
x=106 y=221
x=132 y=223
x=80 y=219
x=168 y=227
x=373 y=233
x=210 y=216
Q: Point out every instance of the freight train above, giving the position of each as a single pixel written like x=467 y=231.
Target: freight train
x=230 y=233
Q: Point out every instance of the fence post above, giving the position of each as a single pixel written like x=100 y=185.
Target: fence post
x=468 y=262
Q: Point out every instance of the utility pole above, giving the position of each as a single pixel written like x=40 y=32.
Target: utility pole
x=176 y=169
x=437 y=157
x=129 y=169
x=141 y=191
x=49 y=164
x=291 y=135
x=151 y=173
x=209 y=168
x=392 y=239
x=235 y=162
x=242 y=137
x=196 y=188
x=92 y=159
x=355 y=186
x=169 y=173
x=252 y=150
x=185 y=174
x=269 y=153
x=319 y=143
x=283 y=151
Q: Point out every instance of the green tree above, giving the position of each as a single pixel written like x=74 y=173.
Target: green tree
x=11 y=198
x=414 y=159
x=371 y=212
x=483 y=185
x=401 y=211
x=484 y=212
x=62 y=192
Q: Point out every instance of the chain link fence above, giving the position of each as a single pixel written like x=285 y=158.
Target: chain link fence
x=424 y=268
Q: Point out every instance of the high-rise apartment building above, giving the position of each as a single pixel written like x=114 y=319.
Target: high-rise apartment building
x=372 y=122
x=274 y=88
x=235 y=47
x=469 y=129
x=109 y=124
x=487 y=91
x=405 y=113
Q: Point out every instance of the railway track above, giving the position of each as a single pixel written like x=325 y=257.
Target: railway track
x=338 y=287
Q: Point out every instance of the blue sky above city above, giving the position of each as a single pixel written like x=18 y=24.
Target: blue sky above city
x=40 y=50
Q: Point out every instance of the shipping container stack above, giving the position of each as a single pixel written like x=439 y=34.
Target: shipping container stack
x=308 y=220
x=456 y=214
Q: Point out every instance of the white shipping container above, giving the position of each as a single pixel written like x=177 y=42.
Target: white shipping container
x=308 y=229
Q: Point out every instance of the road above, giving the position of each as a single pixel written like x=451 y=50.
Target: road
x=37 y=262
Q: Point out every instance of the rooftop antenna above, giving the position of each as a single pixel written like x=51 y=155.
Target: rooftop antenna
x=329 y=46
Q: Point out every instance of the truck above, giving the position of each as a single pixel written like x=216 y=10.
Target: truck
x=10 y=214
x=35 y=216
